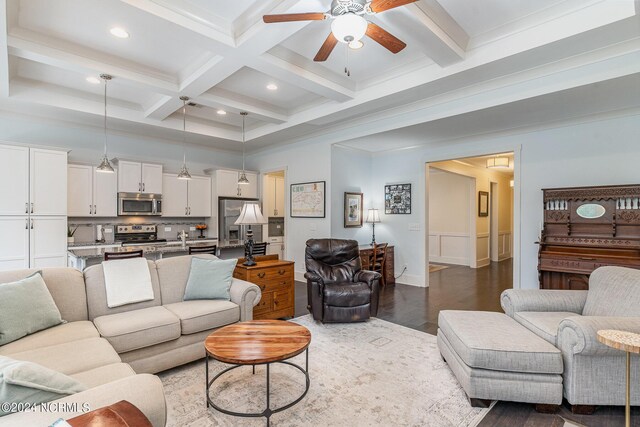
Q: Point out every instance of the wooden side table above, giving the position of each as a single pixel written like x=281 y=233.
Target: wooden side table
x=628 y=342
x=275 y=278
x=121 y=414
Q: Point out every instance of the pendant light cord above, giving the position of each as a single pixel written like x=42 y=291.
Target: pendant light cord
x=184 y=132
x=243 y=140
x=106 y=80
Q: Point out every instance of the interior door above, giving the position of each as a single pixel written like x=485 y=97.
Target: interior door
x=199 y=196
x=105 y=194
x=48 y=182
x=151 y=179
x=14 y=169
x=80 y=191
x=48 y=241
x=15 y=230
x=174 y=197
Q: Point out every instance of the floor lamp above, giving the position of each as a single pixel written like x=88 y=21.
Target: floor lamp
x=250 y=215
x=373 y=217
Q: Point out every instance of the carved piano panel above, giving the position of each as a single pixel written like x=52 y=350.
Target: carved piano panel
x=586 y=228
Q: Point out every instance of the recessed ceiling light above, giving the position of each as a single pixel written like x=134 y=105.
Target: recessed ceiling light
x=356 y=44
x=119 y=32
x=221 y=112
x=272 y=86
x=93 y=80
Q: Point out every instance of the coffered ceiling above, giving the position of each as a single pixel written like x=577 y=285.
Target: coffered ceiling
x=461 y=57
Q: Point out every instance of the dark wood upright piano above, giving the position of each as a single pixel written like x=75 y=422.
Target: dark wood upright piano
x=586 y=228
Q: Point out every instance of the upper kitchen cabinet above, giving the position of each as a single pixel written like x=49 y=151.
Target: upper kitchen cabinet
x=273 y=196
x=14 y=169
x=34 y=181
x=186 y=198
x=91 y=193
x=227 y=184
x=135 y=177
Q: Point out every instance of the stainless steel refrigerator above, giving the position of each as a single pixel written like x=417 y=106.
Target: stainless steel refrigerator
x=228 y=212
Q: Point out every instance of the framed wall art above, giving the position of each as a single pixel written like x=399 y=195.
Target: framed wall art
x=308 y=200
x=353 y=210
x=483 y=203
x=397 y=199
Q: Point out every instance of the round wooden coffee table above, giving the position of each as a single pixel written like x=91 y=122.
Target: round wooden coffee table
x=258 y=342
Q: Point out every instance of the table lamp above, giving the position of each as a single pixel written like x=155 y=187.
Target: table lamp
x=250 y=215
x=373 y=217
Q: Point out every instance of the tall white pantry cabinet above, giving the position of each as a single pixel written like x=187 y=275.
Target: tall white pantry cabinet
x=33 y=208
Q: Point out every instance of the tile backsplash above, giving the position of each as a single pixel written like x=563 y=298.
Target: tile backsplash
x=168 y=228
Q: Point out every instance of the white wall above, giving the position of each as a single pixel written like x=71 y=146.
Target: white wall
x=449 y=217
x=303 y=163
x=350 y=172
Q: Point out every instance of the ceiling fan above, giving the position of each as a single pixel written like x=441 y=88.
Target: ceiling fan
x=349 y=25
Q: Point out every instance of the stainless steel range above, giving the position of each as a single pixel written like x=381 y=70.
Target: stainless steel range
x=142 y=234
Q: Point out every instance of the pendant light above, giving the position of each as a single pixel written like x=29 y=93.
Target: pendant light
x=105 y=165
x=243 y=176
x=184 y=172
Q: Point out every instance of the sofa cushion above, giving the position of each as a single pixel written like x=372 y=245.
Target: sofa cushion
x=97 y=294
x=25 y=382
x=26 y=306
x=200 y=315
x=104 y=374
x=72 y=357
x=138 y=328
x=543 y=323
x=66 y=286
x=209 y=279
x=173 y=274
x=347 y=294
x=613 y=291
x=63 y=333
x=489 y=340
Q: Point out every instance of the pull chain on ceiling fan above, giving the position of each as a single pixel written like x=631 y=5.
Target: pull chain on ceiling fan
x=349 y=24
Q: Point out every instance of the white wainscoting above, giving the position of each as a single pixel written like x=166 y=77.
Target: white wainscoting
x=504 y=245
x=482 y=248
x=449 y=248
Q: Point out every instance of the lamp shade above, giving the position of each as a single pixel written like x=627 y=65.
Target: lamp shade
x=498 y=162
x=250 y=215
x=373 y=216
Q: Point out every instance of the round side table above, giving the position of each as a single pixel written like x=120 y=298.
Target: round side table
x=628 y=342
x=258 y=342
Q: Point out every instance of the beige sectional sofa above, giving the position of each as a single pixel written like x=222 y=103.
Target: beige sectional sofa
x=113 y=351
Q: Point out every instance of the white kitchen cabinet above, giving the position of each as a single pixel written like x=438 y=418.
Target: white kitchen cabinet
x=151 y=178
x=186 y=198
x=273 y=196
x=14 y=254
x=174 y=196
x=91 y=193
x=276 y=246
x=227 y=184
x=199 y=196
x=48 y=182
x=135 y=177
x=14 y=175
x=48 y=241
x=280 y=196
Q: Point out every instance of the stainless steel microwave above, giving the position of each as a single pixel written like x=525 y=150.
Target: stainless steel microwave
x=136 y=204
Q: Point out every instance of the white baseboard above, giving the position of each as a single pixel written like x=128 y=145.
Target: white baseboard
x=299 y=276
x=483 y=262
x=449 y=260
x=412 y=280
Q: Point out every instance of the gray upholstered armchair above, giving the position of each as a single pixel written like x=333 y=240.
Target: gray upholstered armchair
x=594 y=374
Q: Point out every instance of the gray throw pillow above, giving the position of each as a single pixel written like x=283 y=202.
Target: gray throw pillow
x=28 y=383
x=26 y=306
x=209 y=279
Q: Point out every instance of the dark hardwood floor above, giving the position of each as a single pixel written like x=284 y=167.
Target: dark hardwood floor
x=464 y=288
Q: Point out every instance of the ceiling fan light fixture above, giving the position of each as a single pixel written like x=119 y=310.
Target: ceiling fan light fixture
x=498 y=163
x=356 y=44
x=349 y=27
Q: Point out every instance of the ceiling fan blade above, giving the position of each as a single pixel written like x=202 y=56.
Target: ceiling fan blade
x=385 y=38
x=290 y=17
x=326 y=49
x=382 y=5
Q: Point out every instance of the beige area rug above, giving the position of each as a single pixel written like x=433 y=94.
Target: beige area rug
x=435 y=267
x=373 y=373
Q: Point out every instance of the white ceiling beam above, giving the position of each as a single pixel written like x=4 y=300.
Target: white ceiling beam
x=163 y=107
x=216 y=98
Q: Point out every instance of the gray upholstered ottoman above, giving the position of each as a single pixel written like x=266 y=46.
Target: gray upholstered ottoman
x=496 y=358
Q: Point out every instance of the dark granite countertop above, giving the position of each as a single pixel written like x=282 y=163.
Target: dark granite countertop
x=148 y=251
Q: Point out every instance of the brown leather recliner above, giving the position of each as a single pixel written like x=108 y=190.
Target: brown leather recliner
x=337 y=288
